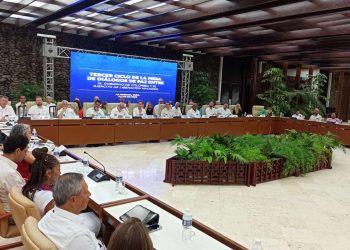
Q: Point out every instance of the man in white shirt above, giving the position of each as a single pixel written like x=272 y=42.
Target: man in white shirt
x=194 y=112
x=177 y=110
x=5 y=109
x=211 y=111
x=316 y=116
x=298 y=115
x=167 y=112
x=23 y=106
x=119 y=111
x=156 y=109
x=63 y=225
x=139 y=111
x=15 y=148
x=225 y=111
x=95 y=111
x=334 y=119
x=39 y=109
x=65 y=112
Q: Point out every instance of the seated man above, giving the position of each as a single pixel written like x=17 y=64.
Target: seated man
x=65 y=112
x=334 y=119
x=266 y=112
x=39 y=109
x=21 y=106
x=63 y=225
x=139 y=111
x=194 y=112
x=224 y=110
x=167 y=112
x=15 y=148
x=211 y=111
x=177 y=110
x=119 y=111
x=156 y=109
x=5 y=109
x=316 y=115
x=298 y=115
x=96 y=110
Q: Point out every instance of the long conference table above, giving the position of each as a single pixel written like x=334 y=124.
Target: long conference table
x=109 y=205
x=96 y=131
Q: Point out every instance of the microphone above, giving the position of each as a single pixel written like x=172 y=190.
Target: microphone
x=96 y=174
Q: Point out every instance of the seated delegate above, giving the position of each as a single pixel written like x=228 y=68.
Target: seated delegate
x=131 y=235
x=167 y=112
x=194 y=112
x=14 y=150
x=39 y=110
x=46 y=170
x=65 y=112
x=119 y=111
x=139 y=111
x=62 y=224
x=316 y=115
x=96 y=110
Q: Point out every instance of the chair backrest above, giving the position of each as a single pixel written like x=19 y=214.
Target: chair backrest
x=232 y=107
x=204 y=108
x=6 y=230
x=256 y=109
x=111 y=106
x=22 y=207
x=188 y=107
x=33 y=238
x=86 y=106
x=131 y=108
x=72 y=105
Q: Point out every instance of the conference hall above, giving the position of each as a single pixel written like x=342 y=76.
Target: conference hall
x=175 y=124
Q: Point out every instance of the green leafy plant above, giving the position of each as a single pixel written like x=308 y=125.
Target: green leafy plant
x=30 y=90
x=201 y=90
x=300 y=151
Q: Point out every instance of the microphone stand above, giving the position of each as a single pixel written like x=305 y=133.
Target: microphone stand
x=96 y=174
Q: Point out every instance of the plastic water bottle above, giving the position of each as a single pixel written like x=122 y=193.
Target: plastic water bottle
x=245 y=114
x=56 y=153
x=119 y=184
x=256 y=245
x=187 y=219
x=34 y=133
x=85 y=162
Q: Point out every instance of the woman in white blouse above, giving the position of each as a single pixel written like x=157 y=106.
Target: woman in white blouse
x=45 y=171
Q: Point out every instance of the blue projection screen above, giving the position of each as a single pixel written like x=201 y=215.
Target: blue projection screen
x=110 y=77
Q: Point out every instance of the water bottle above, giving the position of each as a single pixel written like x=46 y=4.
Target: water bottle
x=256 y=245
x=187 y=219
x=34 y=134
x=245 y=114
x=85 y=162
x=120 y=187
x=56 y=153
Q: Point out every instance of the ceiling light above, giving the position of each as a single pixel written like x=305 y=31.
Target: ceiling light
x=13 y=1
x=22 y=17
x=130 y=13
x=37 y=4
x=77 y=20
x=94 y=23
x=92 y=15
x=131 y=2
x=63 y=24
x=111 y=18
x=156 y=6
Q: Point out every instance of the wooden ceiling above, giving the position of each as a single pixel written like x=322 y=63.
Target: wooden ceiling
x=303 y=32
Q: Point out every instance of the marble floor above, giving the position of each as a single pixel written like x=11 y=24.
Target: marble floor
x=310 y=212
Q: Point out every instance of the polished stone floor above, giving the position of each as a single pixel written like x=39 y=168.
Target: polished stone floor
x=310 y=212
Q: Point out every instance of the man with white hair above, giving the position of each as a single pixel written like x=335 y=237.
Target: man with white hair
x=156 y=109
x=63 y=225
x=65 y=112
x=316 y=115
x=177 y=110
x=119 y=111
x=5 y=109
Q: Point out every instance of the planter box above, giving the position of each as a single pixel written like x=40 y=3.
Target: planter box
x=232 y=173
x=202 y=172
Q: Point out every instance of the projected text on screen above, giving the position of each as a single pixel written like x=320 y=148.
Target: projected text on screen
x=110 y=77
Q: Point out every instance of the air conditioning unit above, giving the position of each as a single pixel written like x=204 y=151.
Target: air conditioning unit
x=49 y=50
